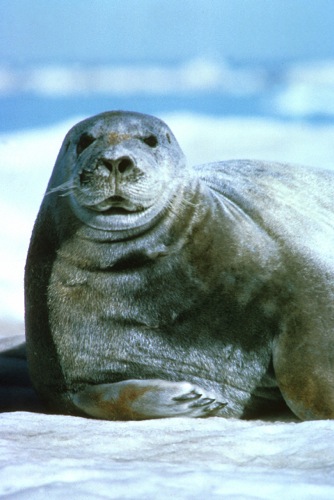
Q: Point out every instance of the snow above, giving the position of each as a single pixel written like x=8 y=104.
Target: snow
x=52 y=456
x=214 y=458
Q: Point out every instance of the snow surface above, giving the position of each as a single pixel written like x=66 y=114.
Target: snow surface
x=46 y=456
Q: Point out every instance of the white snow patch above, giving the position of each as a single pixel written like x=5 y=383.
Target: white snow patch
x=47 y=456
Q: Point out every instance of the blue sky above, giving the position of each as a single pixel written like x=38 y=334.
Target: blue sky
x=145 y=30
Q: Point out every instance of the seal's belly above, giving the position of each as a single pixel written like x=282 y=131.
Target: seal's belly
x=109 y=329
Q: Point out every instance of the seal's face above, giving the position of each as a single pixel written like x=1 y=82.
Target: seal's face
x=121 y=164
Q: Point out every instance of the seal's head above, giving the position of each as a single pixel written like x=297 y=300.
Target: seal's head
x=114 y=168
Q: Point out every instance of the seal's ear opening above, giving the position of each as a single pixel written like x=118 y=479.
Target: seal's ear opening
x=84 y=142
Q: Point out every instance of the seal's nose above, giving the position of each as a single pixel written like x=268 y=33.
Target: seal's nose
x=121 y=165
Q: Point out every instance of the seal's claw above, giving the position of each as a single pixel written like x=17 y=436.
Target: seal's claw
x=213 y=410
x=191 y=396
x=202 y=402
x=145 y=399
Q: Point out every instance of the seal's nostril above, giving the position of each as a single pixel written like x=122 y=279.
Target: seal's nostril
x=120 y=164
x=124 y=164
x=110 y=164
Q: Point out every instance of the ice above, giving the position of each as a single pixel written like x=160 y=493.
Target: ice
x=52 y=456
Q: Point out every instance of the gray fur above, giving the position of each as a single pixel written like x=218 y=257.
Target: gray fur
x=216 y=279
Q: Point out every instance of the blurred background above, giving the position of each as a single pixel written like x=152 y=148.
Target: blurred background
x=217 y=57
x=233 y=78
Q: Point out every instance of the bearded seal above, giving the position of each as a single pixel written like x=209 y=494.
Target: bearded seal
x=155 y=289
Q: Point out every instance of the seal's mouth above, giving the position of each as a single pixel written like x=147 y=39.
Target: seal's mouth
x=116 y=205
x=119 y=211
x=116 y=211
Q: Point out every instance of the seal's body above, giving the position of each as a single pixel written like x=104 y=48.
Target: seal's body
x=154 y=289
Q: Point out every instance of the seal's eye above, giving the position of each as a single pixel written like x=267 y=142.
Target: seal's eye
x=151 y=141
x=84 y=141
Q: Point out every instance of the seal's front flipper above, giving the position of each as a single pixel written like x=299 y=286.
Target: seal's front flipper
x=145 y=399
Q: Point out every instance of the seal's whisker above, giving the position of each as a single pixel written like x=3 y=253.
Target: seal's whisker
x=189 y=203
x=170 y=208
x=66 y=188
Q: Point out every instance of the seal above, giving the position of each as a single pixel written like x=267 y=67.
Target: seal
x=156 y=289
